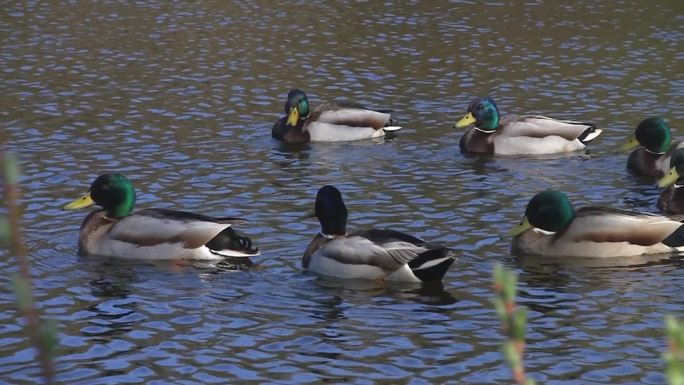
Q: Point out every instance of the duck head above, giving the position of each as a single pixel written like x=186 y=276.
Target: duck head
x=676 y=173
x=296 y=107
x=331 y=211
x=549 y=210
x=113 y=192
x=653 y=134
x=483 y=112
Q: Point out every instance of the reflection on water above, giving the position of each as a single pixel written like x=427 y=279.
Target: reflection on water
x=181 y=98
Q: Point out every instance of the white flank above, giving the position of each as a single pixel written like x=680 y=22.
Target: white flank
x=403 y=274
x=162 y=251
x=506 y=145
x=331 y=268
x=326 y=132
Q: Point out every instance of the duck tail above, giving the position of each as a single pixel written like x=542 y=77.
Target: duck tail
x=591 y=133
x=431 y=265
x=229 y=243
x=676 y=239
x=392 y=125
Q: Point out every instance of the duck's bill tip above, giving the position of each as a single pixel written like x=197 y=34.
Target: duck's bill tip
x=465 y=121
x=629 y=144
x=669 y=179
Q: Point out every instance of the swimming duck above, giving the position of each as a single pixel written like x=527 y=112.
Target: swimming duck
x=671 y=200
x=116 y=231
x=329 y=122
x=652 y=158
x=551 y=227
x=371 y=254
x=517 y=135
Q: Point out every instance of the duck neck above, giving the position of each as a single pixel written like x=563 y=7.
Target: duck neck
x=654 y=152
x=485 y=130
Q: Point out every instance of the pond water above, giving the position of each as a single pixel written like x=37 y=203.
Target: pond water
x=181 y=96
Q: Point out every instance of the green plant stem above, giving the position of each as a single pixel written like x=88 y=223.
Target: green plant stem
x=674 y=358
x=42 y=338
x=514 y=322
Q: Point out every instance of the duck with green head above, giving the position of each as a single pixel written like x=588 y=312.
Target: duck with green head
x=655 y=147
x=671 y=200
x=376 y=254
x=518 y=135
x=117 y=231
x=552 y=227
x=329 y=122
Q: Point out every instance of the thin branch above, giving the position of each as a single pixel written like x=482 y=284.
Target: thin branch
x=44 y=338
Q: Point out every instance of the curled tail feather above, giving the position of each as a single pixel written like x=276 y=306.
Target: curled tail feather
x=590 y=133
x=230 y=243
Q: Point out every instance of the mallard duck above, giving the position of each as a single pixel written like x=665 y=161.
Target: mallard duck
x=671 y=200
x=329 y=122
x=652 y=158
x=552 y=227
x=518 y=135
x=371 y=254
x=116 y=231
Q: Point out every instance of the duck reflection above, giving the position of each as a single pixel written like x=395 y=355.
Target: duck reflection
x=116 y=284
x=429 y=293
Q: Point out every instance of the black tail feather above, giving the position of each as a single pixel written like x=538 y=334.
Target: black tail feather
x=676 y=239
x=229 y=239
x=592 y=128
x=422 y=268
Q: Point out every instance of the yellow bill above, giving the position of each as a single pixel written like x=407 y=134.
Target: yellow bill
x=669 y=179
x=465 y=121
x=293 y=117
x=630 y=143
x=520 y=228
x=80 y=203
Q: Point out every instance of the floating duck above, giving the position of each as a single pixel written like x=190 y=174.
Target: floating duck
x=371 y=254
x=116 y=231
x=329 y=122
x=518 y=135
x=552 y=227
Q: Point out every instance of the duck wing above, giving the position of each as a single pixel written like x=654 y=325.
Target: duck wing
x=350 y=114
x=599 y=224
x=151 y=227
x=541 y=126
x=387 y=249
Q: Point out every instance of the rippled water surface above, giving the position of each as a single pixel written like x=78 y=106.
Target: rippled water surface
x=181 y=96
